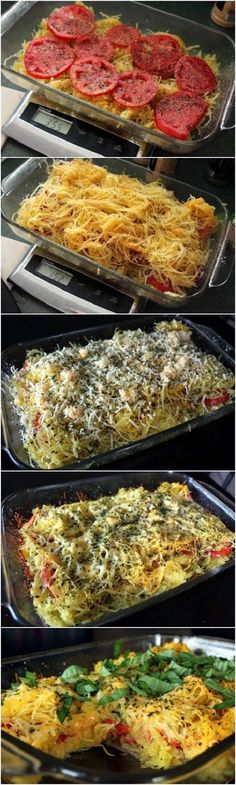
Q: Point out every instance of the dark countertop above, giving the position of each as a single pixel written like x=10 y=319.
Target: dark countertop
x=215 y=300
x=210 y=603
x=210 y=447
x=197 y=11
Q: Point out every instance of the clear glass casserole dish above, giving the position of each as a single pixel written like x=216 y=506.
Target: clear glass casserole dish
x=204 y=337
x=20 y=761
x=19 y=506
x=20 y=22
x=34 y=171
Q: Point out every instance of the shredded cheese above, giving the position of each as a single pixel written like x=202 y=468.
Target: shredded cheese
x=80 y=401
x=98 y=556
x=160 y=732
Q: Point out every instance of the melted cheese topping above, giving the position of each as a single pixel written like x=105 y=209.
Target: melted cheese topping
x=123 y=62
x=93 y=557
x=83 y=400
x=160 y=732
x=138 y=229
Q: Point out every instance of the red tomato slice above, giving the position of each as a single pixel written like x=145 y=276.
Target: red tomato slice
x=123 y=36
x=194 y=75
x=186 y=552
x=95 y=46
x=36 y=422
x=225 y=551
x=31 y=520
x=178 y=114
x=135 y=89
x=45 y=57
x=70 y=22
x=163 y=287
x=62 y=738
x=93 y=76
x=218 y=400
x=157 y=54
x=121 y=728
x=47 y=574
x=172 y=742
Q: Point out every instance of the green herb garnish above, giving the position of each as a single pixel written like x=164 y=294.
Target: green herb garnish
x=71 y=674
x=121 y=693
x=29 y=678
x=117 y=649
x=63 y=712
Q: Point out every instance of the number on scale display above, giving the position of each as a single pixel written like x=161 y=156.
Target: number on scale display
x=52 y=122
x=53 y=272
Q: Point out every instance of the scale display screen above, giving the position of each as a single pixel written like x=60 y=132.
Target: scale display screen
x=52 y=121
x=53 y=272
x=77 y=284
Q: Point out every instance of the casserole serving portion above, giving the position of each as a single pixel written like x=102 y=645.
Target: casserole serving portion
x=151 y=236
x=143 y=702
x=83 y=400
x=21 y=23
x=52 y=576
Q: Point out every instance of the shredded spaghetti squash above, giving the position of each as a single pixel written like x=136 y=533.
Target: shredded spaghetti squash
x=159 y=705
x=83 y=400
x=139 y=230
x=94 y=557
x=123 y=62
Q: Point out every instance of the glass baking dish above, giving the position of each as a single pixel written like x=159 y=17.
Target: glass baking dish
x=20 y=761
x=19 y=505
x=204 y=337
x=34 y=171
x=20 y=22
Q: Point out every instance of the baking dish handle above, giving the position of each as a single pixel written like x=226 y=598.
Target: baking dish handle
x=225 y=259
x=221 y=496
x=227 y=112
x=221 y=343
x=11 y=180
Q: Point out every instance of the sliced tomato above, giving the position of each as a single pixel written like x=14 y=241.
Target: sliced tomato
x=122 y=36
x=135 y=89
x=62 y=738
x=71 y=21
x=205 y=230
x=157 y=54
x=95 y=46
x=93 y=76
x=36 y=421
x=46 y=57
x=163 y=287
x=121 y=728
x=31 y=521
x=218 y=400
x=194 y=75
x=186 y=552
x=173 y=742
x=225 y=551
x=47 y=574
x=178 y=114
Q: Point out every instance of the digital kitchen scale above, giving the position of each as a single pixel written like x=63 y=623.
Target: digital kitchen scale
x=35 y=123
x=56 y=284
